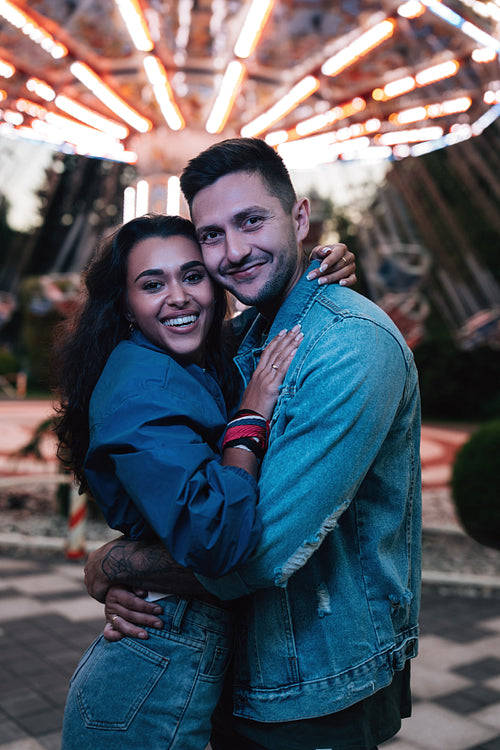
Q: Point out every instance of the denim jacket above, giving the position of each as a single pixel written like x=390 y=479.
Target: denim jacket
x=331 y=593
x=153 y=463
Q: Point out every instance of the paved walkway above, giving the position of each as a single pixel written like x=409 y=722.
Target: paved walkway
x=47 y=620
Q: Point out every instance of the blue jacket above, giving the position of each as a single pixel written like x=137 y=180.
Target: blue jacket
x=333 y=586
x=153 y=462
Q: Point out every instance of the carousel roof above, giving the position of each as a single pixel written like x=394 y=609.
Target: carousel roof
x=155 y=81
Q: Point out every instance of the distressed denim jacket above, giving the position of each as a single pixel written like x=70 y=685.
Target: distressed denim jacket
x=332 y=591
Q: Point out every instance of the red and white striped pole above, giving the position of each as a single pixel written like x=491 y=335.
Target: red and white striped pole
x=75 y=541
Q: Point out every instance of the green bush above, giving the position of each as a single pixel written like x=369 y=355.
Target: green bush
x=475 y=485
x=8 y=362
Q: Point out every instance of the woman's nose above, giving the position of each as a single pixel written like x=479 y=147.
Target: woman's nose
x=177 y=295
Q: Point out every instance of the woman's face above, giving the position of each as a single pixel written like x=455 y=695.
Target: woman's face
x=170 y=296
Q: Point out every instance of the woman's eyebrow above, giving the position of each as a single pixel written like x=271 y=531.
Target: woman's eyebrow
x=161 y=272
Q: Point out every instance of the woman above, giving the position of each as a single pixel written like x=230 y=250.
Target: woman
x=142 y=425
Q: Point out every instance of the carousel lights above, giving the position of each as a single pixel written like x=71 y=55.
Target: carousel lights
x=31 y=108
x=486 y=10
x=41 y=89
x=3 y=95
x=276 y=137
x=411 y=9
x=302 y=90
x=253 y=27
x=89 y=117
x=423 y=78
x=483 y=55
x=128 y=204
x=6 y=69
x=394 y=88
x=85 y=141
x=409 y=136
x=482 y=122
x=75 y=130
x=162 y=90
x=173 y=195
x=462 y=133
x=468 y=28
x=491 y=97
x=142 y=198
x=320 y=149
x=480 y=36
x=429 y=111
x=32 y=29
x=92 y=81
x=437 y=72
x=368 y=153
x=313 y=124
x=230 y=86
x=13 y=118
x=136 y=24
x=358 y=48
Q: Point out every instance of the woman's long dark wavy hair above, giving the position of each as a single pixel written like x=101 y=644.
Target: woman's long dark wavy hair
x=84 y=343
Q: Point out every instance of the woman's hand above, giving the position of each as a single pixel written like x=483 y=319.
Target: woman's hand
x=262 y=391
x=128 y=614
x=338 y=265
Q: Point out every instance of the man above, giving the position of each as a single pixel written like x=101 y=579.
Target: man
x=328 y=602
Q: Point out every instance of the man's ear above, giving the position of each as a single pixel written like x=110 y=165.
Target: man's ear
x=301 y=212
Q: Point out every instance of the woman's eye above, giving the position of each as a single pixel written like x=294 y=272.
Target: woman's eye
x=194 y=277
x=152 y=285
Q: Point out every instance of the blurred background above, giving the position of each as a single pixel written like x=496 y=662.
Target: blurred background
x=386 y=114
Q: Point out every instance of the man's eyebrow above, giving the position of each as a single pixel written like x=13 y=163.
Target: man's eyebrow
x=161 y=272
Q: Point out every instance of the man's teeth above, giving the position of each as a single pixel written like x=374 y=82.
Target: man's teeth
x=185 y=320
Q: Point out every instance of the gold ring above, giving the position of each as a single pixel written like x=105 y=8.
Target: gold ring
x=113 y=619
x=275 y=367
x=345 y=261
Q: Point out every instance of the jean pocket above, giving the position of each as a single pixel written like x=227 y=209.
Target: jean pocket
x=215 y=662
x=113 y=681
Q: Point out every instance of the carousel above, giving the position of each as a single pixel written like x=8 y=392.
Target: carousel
x=150 y=83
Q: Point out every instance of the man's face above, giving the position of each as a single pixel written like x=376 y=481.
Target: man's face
x=250 y=244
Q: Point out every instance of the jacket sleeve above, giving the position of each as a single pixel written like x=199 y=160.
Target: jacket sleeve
x=348 y=389
x=173 y=482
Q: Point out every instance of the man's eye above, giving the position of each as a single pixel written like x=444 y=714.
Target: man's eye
x=253 y=221
x=210 y=237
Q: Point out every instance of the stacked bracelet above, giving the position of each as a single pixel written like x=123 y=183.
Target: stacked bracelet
x=248 y=430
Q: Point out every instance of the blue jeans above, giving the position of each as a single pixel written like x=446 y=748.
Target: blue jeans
x=157 y=693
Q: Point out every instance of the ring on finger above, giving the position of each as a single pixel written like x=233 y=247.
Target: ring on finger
x=113 y=619
x=275 y=367
x=345 y=261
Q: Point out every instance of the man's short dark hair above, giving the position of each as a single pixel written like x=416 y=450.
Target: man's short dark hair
x=238 y=155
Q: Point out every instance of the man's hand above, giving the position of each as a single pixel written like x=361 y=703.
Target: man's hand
x=137 y=565
x=96 y=580
x=127 y=614
x=338 y=265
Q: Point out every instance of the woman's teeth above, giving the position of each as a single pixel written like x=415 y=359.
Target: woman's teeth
x=184 y=320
